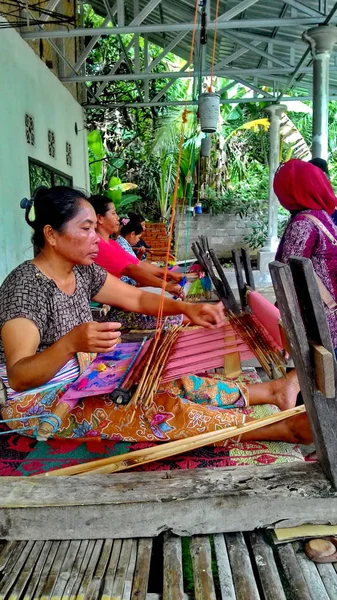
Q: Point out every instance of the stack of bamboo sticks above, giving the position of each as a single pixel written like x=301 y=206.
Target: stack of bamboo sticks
x=268 y=358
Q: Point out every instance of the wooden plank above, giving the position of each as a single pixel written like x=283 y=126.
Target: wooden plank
x=266 y=566
x=324 y=371
x=322 y=413
x=142 y=569
x=232 y=362
x=38 y=572
x=311 y=575
x=111 y=570
x=55 y=570
x=122 y=569
x=224 y=570
x=26 y=570
x=94 y=588
x=239 y=277
x=13 y=567
x=329 y=578
x=247 y=266
x=6 y=550
x=200 y=549
x=185 y=502
x=81 y=568
x=296 y=584
x=173 y=584
x=130 y=572
x=243 y=576
x=67 y=567
x=89 y=571
x=75 y=569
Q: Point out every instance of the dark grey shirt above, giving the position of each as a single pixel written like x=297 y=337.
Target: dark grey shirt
x=27 y=293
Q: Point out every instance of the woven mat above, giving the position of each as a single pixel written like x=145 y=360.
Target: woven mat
x=25 y=456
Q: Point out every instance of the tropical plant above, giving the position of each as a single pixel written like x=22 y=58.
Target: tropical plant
x=104 y=169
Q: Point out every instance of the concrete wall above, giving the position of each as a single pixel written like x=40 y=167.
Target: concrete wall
x=28 y=86
x=70 y=47
x=224 y=232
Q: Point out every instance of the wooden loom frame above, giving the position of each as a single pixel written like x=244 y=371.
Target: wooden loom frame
x=201 y=501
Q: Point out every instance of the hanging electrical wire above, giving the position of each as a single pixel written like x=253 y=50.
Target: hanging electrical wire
x=14 y=13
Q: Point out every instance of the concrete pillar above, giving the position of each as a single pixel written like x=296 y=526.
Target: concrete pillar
x=321 y=40
x=267 y=253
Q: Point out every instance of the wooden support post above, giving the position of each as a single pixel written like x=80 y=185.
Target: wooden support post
x=247 y=266
x=239 y=278
x=232 y=362
x=322 y=413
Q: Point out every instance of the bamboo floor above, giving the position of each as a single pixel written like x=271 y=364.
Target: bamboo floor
x=231 y=566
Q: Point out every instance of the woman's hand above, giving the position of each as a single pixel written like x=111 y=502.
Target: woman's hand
x=175 y=276
x=175 y=289
x=206 y=315
x=94 y=337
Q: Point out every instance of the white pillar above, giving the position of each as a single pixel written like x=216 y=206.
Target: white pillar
x=321 y=40
x=267 y=253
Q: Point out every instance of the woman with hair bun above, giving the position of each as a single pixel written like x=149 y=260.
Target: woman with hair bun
x=47 y=334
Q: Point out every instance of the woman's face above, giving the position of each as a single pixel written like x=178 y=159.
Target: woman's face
x=78 y=241
x=133 y=238
x=110 y=221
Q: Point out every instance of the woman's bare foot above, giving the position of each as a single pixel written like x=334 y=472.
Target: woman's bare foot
x=285 y=390
x=294 y=430
x=281 y=392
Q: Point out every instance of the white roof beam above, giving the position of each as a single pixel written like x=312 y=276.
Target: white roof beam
x=177 y=75
x=233 y=56
x=169 y=84
x=303 y=8
x=173 y=43
x=136 y=21
x=195 y=102
x=236 y=10
x=86 y=51
x=252 y=48
x=166 y=28
x=253 y=87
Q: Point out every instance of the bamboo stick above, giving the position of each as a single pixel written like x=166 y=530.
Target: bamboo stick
x=146 y=455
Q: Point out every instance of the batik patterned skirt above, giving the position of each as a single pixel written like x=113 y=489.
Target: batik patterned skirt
x=180 y=409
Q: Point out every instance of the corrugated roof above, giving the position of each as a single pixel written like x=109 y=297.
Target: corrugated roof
x=246 y=48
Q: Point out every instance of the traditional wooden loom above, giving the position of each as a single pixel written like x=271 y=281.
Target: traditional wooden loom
x=203 y=501
x=257 y=322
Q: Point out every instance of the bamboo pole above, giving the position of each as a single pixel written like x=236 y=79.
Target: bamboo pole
x=146 y=455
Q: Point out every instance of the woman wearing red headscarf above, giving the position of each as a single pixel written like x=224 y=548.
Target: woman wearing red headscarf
x=304 y=190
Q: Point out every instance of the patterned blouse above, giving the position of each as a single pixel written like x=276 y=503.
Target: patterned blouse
x=128 y=248
x=303 y=237
x=28 y=293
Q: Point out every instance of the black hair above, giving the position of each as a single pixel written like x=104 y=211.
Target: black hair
x=100 y=204
x=52 y=206
x=131 y=227
x=136 y=217
x=321 y=164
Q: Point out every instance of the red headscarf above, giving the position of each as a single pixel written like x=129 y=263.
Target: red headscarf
x=300 y=185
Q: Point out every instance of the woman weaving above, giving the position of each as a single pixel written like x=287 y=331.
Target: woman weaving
x=46 y=328
x=304 y=190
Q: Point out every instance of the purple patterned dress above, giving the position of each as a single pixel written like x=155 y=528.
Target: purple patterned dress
x=303 y=237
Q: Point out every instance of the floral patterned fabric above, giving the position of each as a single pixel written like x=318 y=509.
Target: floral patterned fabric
x=303 y=237
x=180 y=409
